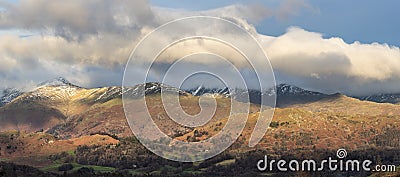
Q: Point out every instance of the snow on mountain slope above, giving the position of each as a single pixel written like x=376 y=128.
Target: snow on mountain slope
x=285 y=94
x=51 y=89
x=382 y=98
x=286 y=89
x=9 y=95
x=56 y=82
x=199 y=91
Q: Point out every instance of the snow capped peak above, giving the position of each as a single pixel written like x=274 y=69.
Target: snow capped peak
x=10 y=91
x=155 y=87
x=8 y=95
x=393 y=98
x=196 y=92
x=286 y=89
x=56 y=82
x=201 y=90
x=57 y=86
x=149 y=88
x=281 y=89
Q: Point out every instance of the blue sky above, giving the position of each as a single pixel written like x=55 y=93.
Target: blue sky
x=366 y=21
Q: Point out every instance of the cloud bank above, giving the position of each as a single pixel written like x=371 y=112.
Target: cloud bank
x=332 y=65
x=89 y=42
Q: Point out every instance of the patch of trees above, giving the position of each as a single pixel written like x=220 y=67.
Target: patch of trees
x=106 y=134
x=65 y=167
x=196 y=135
x=64 y=157
x=389 y=138
x=274 y=124
x=127 y=154
x=10 y=169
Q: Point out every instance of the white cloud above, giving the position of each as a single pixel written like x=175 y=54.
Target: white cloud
x=89 y=40
x=305 y=55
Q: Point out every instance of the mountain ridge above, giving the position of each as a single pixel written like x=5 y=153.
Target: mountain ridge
x=65 y=109
x=393 y=98
x=56 y=82
x=286 y=94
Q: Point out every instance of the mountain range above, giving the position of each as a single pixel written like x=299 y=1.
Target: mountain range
x=286 y=94
x=90 y=124
x=65 y=109
x=393 y=98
